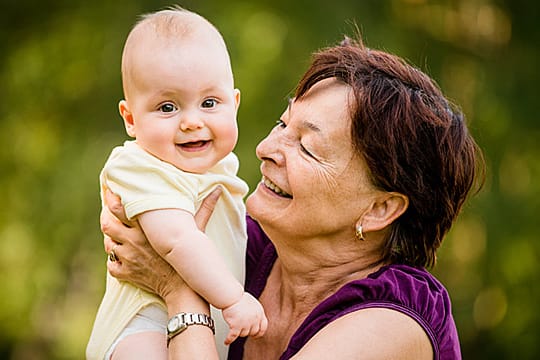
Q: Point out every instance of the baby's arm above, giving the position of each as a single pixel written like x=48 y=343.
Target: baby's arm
x=174 y=235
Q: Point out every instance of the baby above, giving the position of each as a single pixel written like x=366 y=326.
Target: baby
x=180 y=106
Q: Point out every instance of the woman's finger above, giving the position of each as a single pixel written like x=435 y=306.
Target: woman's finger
x=115 y=269
x=108 y=243
x=207 y=208
x=116 y=208
x=113 y=230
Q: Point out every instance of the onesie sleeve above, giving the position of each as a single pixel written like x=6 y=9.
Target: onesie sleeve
x=146 y=183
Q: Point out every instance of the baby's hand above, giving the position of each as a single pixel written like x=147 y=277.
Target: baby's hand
x=245 y=318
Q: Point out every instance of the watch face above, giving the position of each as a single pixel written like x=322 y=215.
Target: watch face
x=173 y=324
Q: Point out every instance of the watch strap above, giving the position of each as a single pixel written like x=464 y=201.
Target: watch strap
x=181 y=321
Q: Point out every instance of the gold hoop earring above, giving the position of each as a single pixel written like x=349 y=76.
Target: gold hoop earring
x=359 y=234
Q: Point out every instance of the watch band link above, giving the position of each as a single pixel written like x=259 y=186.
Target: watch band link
x=179 y=322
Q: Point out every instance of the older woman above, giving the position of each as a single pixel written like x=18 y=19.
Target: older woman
x=362 y=177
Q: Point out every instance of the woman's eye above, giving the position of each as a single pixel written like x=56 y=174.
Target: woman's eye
x=167 y=108
x=305 y=151
x=280 y=123
x=209 y=103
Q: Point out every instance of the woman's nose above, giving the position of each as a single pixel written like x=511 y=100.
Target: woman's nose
x=190 y=121
x=270 y=149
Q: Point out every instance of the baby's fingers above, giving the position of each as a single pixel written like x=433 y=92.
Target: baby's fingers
x=263 y=326
x=248 y=331
x=231 y=336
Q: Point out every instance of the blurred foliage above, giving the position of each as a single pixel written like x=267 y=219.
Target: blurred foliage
x=59 y=70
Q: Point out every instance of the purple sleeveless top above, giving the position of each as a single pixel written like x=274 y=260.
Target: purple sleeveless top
x=412 y=291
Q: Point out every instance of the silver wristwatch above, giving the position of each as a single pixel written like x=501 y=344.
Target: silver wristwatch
x=180 y=322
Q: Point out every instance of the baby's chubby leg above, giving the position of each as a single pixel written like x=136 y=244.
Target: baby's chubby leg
x=143 y=338
x=143 y=346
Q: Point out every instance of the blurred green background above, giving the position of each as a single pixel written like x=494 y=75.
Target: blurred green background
x=59 y=89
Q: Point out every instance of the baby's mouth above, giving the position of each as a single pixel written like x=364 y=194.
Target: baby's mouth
x=194 y=145
x=270 y=185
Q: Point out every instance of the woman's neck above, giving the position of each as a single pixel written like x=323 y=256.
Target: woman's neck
x=310 y=273
x=305 y=273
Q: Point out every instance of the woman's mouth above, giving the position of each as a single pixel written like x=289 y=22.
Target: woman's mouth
x=276 y=189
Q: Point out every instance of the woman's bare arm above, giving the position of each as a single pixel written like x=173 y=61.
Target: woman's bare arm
x=370 y=334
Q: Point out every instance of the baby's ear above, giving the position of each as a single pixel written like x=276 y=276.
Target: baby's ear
x=126 y=114
x=236 y=98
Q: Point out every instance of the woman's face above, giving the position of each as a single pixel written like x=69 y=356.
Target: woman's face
x=313 y=181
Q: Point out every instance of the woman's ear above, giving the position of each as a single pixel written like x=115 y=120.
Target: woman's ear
x=384 y=211
x=126 y=114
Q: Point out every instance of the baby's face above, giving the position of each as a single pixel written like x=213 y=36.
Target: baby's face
x=182 y=101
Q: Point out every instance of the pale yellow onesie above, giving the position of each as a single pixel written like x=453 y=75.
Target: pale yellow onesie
x=144 y=183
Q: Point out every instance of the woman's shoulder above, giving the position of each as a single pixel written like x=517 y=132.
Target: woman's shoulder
x=370 y=333
x=409 y=289
x=412 y=291
x=399 y=287
x=404 y=284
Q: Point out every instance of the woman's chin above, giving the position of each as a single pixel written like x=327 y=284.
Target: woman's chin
x=257 y=203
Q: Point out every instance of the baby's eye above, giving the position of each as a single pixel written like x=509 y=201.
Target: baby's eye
x=167 y=108
x=209 y=103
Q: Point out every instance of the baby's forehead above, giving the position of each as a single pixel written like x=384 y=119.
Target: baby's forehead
x=173 y=32
x=167 y=36
x=149 y=40
x=174 y=25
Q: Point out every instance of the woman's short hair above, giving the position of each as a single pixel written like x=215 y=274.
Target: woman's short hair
x=412 y=138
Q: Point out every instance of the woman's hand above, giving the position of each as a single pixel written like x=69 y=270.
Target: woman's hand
x=137 y=261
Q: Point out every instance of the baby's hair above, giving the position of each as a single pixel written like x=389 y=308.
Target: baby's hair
x=173 y=21
x=171 y=24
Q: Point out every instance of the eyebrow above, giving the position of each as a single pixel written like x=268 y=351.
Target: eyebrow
x=305 y=124
x=311 y=126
